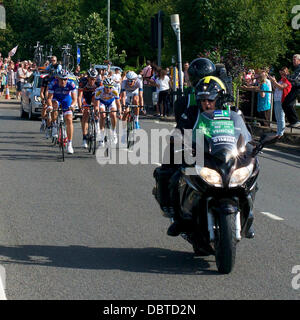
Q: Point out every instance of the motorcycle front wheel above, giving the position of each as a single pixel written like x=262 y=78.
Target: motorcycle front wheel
x=225 y=242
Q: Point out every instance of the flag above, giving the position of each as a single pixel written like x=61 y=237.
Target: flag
x=12 y=51
x=78 y=55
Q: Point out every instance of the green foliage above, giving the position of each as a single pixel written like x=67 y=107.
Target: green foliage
x=93 y=34
x=260 y=30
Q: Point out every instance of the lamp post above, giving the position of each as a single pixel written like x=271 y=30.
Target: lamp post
x=2 y=17
x=108 y=27
x=175 y=23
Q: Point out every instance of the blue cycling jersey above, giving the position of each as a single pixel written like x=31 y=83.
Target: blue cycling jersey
x=61 y=92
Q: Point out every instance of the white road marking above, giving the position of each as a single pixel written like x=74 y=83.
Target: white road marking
x=272 y=216
x=173 y=124
x=2 y=283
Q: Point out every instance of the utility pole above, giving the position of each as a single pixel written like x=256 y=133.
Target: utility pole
x=108 y=27
x=175 y=23
x=159 y=38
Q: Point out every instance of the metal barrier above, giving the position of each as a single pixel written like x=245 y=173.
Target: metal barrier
x=252 y=118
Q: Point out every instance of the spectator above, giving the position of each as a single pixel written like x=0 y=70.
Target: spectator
x=147 y=73
x=289 y=102
x=282 y=89
x=186 y=79
x=22 y=74
x=10 y=75
x=17 y=66
x=2 y=79
x=77 y=71
x=263 y=99
x=152 y=81
x=163 y=85
x=117 y=79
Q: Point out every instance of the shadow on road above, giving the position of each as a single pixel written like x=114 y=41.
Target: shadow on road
x=143 y=260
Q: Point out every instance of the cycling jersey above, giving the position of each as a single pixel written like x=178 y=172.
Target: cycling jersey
x=88 y=91
x=137 y=87
x=62 y=94
x=106 y=98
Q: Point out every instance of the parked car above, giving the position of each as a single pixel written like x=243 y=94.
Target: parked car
x=31 y=104
x=30 y=97
x=104 y=66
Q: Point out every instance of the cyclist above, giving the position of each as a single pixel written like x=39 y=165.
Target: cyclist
x=131 y=93
x=43 y=94
x=62 y=91
x=108 y=96
x=86 y=96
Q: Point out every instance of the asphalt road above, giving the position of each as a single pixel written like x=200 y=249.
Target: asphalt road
x=79 y=230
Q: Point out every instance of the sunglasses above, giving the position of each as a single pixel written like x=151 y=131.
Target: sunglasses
x=130 y=81
x=108 y=87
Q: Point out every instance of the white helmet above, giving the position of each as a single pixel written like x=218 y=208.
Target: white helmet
x=108 y=82
x=131 y=75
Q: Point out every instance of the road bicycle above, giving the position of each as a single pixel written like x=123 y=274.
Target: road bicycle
x=62 y=138
x=131 y=127
x=67 y=58
x=91 y=136
x=107 y=138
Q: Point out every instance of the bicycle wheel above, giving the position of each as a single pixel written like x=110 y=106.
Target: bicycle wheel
x=93 y=140
x=107 y=139
x=89 y=137
x=61 y=141
x=130 y=133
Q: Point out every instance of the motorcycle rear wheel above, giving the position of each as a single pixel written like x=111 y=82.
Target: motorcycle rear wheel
x=225 y=242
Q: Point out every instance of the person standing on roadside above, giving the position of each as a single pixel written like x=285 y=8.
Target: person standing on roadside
x=289 y=103
x=263 y=100
x=21 y=76
x=282 y=89
x=163 y=85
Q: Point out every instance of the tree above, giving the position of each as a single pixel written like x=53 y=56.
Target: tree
x=93 y=33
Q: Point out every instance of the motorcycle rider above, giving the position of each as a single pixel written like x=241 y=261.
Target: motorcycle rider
x=208 y=93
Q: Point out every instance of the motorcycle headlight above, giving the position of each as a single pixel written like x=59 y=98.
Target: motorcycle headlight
x=239 y=176
x=211 y=176
x=37 y=98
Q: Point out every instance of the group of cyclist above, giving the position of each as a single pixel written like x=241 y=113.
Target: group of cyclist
x=58 y=90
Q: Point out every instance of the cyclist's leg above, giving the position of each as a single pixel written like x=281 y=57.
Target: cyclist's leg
x=68 y=114
x=84 y=123
x=102 y=124
x=54 y=115
x=135 y=101
x=113 y=118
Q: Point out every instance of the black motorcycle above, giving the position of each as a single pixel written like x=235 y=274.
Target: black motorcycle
x=216 y=198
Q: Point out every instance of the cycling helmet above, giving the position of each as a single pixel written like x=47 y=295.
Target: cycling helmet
x=210 y=88
x=63 y=74
x=200 y=68
x=131 y=75
x=92 y=73
x=108 y=82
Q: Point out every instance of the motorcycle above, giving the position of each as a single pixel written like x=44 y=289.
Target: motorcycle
x=216 y=200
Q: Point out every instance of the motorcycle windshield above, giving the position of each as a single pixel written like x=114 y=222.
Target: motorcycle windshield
x=225 y=133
